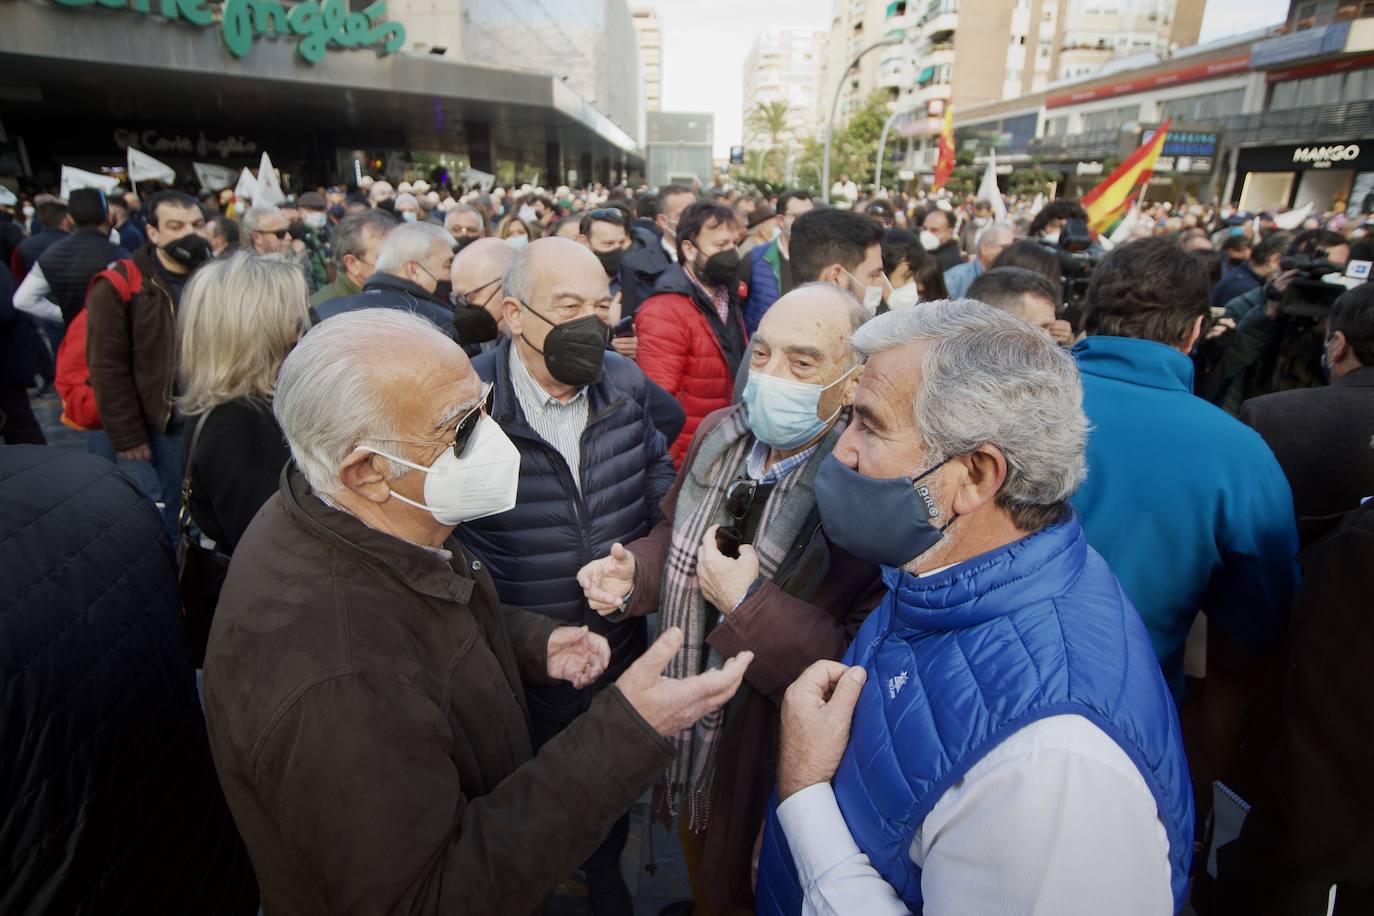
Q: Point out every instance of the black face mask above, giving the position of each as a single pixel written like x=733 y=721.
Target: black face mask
x=443 y=291
x=190 y=251
x=721 y=267
x=574 y=351
x=463 y=241
x=474 y=324
x=610 y=261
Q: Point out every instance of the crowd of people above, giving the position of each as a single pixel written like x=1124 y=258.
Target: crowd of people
x=909 y=554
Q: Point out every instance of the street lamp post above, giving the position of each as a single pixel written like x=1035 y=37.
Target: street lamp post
x=835 y=102
x=878 y=163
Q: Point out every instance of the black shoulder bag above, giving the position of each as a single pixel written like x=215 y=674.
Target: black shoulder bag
x=202 y=570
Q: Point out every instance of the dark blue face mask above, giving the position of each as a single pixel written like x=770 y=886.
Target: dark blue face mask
x=888 y=521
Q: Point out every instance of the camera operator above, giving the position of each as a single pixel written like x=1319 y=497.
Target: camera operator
x=1279 y=345
x=1322 y=436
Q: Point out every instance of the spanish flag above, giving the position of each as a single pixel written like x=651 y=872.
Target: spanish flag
x=1107 y=202
x=944 y=166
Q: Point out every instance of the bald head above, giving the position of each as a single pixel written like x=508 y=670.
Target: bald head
x=805 y=337
x=811 y=325
x=550 y=282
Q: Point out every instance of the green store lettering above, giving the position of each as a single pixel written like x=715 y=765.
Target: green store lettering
x=320 y=24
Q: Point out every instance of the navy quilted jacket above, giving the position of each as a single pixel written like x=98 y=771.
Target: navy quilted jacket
x=109 y=801
x=535 y=550
x=959 y=660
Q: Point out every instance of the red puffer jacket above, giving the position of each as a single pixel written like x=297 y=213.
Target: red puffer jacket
x=688 y=351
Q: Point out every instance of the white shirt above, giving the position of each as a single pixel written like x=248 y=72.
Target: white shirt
x=1054 y=820
x=672 y=252
x=32 y=296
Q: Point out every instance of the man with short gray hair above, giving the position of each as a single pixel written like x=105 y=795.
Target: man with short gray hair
x=365 y=689
x=466 y=223
x=991 y=241
x=266 y=228
x=1013 y=748
x=412 y=273
x=356 y=241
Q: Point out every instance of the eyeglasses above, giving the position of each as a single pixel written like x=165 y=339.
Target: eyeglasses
x=279 y=233
x=608 y=215
x=460 y=300
x=466 y=426
x=739 y=499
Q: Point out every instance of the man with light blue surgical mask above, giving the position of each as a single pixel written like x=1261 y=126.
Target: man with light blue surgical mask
x=741 y=563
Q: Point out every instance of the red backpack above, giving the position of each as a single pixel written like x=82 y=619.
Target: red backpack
x=73 y=375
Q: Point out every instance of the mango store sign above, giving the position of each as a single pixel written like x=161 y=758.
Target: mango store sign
x=321 y=25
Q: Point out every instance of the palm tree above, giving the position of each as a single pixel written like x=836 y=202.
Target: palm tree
x=770 y=118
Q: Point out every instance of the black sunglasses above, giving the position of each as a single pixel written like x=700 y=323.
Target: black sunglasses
x=739 y=499
x=279 y=233
x=468 y=425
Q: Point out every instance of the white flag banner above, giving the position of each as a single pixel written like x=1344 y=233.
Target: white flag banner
x=269 y=186
x=73 y=178
x=989 y=191
x=214 y=177
x=143 y=167
x=1037 y=205
x=483 y=180
x=1127 y=225
x=1292 y=219
x=247 y=187
x=7 y=198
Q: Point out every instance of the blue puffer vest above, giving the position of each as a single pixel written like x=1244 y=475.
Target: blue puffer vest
x=765 y=284
x=534 y=551
x=960 y=660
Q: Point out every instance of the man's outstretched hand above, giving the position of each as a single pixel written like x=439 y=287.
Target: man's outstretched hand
x=671 y=705
x=577 y=655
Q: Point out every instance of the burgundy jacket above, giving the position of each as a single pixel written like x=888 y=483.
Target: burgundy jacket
x=786 y=633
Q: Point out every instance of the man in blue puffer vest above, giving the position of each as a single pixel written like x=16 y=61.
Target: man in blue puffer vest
x=1014 y=747
x=593 y=470
x=768 y=268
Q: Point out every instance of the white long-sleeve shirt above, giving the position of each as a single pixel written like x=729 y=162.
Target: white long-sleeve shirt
x=1054 y=820
x=32 y=296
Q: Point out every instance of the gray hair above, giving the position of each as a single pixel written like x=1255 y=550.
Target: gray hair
x=983 y=233
x=989 y=378
x=253 y=219
x=350 y=236
x=411 y=242
x=328 y=400
x=467 y=208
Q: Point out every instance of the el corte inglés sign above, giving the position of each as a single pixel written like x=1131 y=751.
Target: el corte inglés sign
x=321 y=25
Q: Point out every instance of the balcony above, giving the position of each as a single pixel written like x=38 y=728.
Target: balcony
x=1313 y=124
x=1096 y=144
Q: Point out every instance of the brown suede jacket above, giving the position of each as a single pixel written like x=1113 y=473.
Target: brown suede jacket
x=367 y=716
x=131 y=351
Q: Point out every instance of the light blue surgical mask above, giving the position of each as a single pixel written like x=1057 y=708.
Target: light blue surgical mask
x=782 y=413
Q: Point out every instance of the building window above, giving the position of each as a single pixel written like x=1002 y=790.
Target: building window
x=1203 y=107
x=1112 y=119
x=1357 y=85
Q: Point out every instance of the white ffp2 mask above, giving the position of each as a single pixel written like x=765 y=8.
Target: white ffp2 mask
x=481 y=483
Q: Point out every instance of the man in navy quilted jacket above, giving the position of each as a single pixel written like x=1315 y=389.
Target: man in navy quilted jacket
x=593 y=470
x=1014 y=748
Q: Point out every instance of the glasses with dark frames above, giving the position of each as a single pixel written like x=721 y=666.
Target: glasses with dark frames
x=466 y=426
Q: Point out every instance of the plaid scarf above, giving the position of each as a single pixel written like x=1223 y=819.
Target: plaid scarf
x=719 y=461
x=719 y=295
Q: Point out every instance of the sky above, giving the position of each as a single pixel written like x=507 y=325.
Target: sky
x=705 y=42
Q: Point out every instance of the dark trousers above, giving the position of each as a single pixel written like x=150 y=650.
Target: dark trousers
x=18 y=425
x=606 y=889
